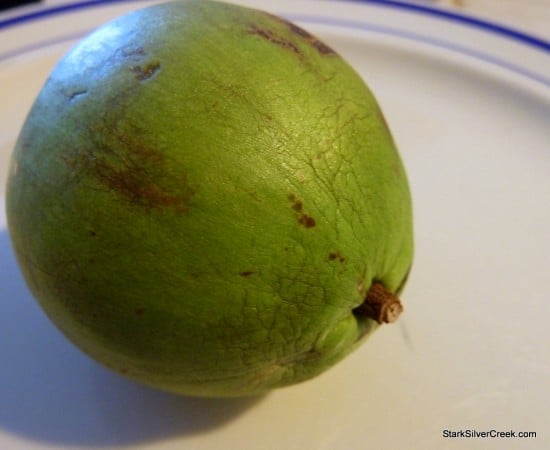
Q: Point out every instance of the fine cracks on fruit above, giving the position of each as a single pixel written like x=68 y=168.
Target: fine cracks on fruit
x=380 y=304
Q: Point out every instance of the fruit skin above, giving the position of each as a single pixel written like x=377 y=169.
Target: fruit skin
x=202 y=194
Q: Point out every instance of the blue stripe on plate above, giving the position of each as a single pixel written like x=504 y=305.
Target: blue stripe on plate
x=365 y=26
x=484 y=25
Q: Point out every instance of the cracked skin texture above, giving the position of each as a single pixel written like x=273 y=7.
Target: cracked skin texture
x=202 y=194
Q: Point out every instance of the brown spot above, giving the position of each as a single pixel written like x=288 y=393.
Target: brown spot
x=123 y=370
x=306 y=221
x=246 y=273
x=136 y=172
x=145 y=72
x=139 y=311
x=303 y=218
x=270 y=36
x=320 y=46
x=297 y=30
x=336 y=256
x=93 y=233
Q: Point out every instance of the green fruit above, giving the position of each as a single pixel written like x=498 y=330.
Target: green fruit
x=207 y=199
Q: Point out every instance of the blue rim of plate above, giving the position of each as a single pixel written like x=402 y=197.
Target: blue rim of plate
x=441 y=14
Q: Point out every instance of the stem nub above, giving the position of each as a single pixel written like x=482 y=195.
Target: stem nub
x=380 y=305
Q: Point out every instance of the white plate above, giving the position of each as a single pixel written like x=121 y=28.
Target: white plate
x=469 y=104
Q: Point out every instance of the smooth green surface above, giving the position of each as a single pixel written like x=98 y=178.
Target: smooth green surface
x=200 y=196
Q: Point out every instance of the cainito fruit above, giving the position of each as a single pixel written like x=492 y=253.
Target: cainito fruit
x=206 y=198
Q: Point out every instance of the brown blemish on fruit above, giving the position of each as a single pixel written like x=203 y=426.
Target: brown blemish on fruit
x=336 y=256
x=147 y=71
x=303 y=219
x=139 y=311
x=140 y=190
x=274 y=38
x=296 y=29
x=134 y=171
x=380 y=305
x=321 y=47
x=246 y=273
x=306 y=221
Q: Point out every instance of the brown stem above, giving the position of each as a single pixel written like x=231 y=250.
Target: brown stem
x=380 y=305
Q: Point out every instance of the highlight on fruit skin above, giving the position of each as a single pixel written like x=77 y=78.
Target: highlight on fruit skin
x=206 y=198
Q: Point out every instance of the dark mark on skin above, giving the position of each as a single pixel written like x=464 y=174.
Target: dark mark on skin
x=321 y=47
x=247 y=273
x=128 y=167
x=77 y=94
x=273 y=38
x=336 y=256
x=146 y=72
x=297 y=30
x=139 y=190
x=307 y=221
x=303 y=218
x=139 y=311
